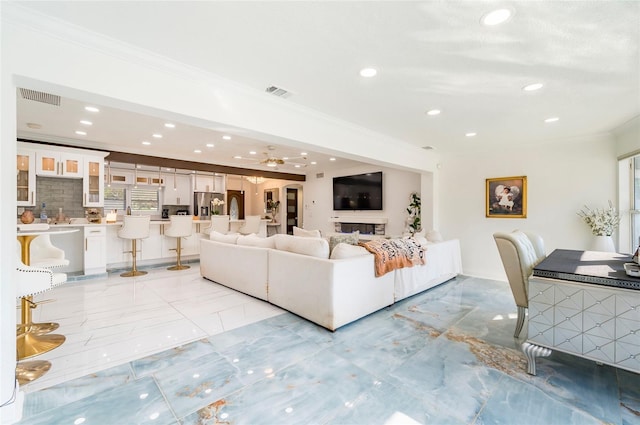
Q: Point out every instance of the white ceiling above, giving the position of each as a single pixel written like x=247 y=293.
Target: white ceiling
x=429 y=55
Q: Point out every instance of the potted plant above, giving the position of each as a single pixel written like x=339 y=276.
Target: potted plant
x=414 y=209
x=273 y=207
x=602 y=223
x=216 y=203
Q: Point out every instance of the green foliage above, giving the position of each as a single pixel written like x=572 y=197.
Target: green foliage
x=414 y=209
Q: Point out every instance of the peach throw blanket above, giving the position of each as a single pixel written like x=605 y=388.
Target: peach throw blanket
x=391 y=254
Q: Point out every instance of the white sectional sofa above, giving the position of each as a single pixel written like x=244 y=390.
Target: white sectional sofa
x=294 y=273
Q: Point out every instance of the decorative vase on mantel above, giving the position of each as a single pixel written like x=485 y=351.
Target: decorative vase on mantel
x=602 y=243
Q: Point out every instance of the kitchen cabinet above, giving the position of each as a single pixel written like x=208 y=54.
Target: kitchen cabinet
x=95 y=249
x=117 y=246
x=26 y=178
x=120 y=177
x=93 y=182
x=59 y=164
x=210 y=183
x=178 y=190
x=149 y=179
x=151 y=247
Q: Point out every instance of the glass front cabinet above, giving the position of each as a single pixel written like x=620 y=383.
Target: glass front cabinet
x=26 y=178
x=93 y=182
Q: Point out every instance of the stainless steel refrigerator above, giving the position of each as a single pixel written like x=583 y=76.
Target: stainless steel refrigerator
x=202 y=203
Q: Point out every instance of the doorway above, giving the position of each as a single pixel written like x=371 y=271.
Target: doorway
x=292 y=209
x=235 y=207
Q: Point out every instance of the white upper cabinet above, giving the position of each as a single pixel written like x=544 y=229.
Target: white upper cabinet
x=26 y=178
x=93 y=182
x=177 y=190
x=208 y=183
x=59 y=164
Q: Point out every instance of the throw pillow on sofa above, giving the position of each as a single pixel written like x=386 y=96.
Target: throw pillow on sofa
x=257 y=241
x=349 y=238
x=297 y=231
x=314 y=247
x=345 y=250
x=434 y=236
x=221 y=237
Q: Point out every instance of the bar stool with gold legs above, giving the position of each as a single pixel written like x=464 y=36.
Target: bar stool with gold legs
x=45 y=255
x=29 y=342
x=134 y=227
x=181 y=226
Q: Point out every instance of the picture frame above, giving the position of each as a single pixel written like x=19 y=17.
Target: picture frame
x=506 y=197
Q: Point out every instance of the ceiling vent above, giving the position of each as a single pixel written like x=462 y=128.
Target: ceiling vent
x=428 y=148
x=277 y=91
x=39 y=96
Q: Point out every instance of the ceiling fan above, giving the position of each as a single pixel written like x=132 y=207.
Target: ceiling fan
x=274 y=161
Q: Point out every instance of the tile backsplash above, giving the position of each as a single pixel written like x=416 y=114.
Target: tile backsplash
x=59 y=193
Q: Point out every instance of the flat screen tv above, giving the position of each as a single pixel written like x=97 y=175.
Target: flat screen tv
x=358 y=192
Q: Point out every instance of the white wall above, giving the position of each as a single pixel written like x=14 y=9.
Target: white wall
x=561 y=180
x=397 y=187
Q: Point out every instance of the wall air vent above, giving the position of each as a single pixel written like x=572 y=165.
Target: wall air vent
x=277 y=91
x=428 y=148
x=319 y=175
x=39 y=96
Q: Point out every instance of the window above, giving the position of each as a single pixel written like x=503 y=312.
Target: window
x=114 y=199
x=142 y=200
x=146 y=200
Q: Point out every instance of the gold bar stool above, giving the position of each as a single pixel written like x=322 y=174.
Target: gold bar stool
x=181 y=226
x=46 y=255
x=134 y=227
x=29 y=343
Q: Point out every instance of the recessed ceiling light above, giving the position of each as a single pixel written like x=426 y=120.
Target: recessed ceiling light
x=552 y=119
x=271 y=164
x=332 y=159
x=471 y=134
x=91 y=109
x=146 y=143
x=297 y=165
x=434 y=112
x=368 y=72
x=237 y=157
x=81 y=133
x=496 y=17
x=303 y=153
x=197 y=151
x=313 y=163
x=157 y=136
x=210 y=145
x=533 y=87
x=226 y=137
x=252 y=152
x=284 y=158
x=85 y=122
x=169 y=125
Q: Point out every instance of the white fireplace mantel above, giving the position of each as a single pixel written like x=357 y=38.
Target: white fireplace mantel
x=356 y=219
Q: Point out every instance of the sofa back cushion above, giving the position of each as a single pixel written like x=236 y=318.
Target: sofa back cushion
x=314 y=247
x=297 y=231
x=257 y=241
x=221 y=237
x=345 y=250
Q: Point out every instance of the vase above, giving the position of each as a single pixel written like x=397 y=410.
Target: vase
x=602 y=243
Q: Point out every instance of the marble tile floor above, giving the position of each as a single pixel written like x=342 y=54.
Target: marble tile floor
x=446 y=356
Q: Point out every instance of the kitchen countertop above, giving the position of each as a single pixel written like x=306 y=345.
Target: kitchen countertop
x=81 y=222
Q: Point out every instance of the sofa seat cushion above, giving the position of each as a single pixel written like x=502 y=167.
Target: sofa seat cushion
x=257 y=241
x=297 y=231
x=345 y=250
x=314 y=247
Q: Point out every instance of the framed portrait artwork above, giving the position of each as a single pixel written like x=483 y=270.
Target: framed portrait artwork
x=506 y=197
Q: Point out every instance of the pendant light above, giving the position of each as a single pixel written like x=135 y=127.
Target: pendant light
x=175 y=186
x=159 y=178
x=135 y=177
x=108 y=173
x=195 y=177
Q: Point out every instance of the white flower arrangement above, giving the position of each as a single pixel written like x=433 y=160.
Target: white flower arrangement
x=602 y=222
x=217 y=202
